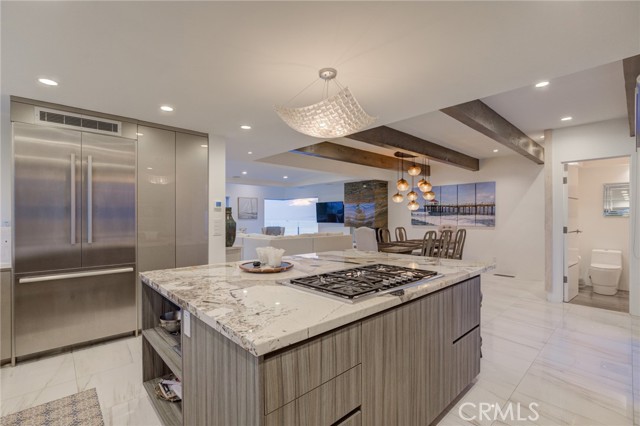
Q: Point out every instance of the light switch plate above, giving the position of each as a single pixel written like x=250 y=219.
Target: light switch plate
x=186 y=322
x=5 y=244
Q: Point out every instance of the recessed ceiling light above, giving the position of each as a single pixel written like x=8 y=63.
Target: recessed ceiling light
x=166 y=108
x=245 y=127
x=204 y=146
x=566 y=118
x=244 y=173
x=285 y=177
x=542 y=84
x=574 y=163
x=495 y=150
x=250 y=152
x=139 y=134
x=48 y=81
x=149 y=168
x=542 y=137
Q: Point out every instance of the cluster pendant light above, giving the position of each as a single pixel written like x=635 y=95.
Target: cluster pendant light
x=402 y=185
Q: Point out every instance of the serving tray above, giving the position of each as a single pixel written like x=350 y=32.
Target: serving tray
x=248 y=267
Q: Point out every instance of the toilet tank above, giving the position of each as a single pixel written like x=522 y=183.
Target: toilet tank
x=606 y=257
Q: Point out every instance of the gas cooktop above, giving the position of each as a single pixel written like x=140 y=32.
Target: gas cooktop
x=355 y=284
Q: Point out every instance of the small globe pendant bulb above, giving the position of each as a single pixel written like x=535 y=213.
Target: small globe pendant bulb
x=429 y=195
x=397 y=197
x=412 y=196
x=413 y=206
x=402 y=185
x=425 y=187
x=414 y=170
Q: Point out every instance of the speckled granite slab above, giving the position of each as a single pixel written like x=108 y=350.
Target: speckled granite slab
x=262 y=316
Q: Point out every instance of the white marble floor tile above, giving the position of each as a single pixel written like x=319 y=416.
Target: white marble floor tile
x=527 y=334
x=41 y=396
x=106 y=356
x=32 y=376
x=135 y=348
x=115 y=386
x=136 y=412
x=469 y=405
x=568 y=396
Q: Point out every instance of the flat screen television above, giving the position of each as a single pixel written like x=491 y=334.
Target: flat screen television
x=330 y=212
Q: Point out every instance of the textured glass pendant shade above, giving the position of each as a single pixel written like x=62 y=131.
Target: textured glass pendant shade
x=429 y=196
x=413 y=206
x=414 y=170
x=412 y=196
x=402 y=185
x=424 y=186
x=336 y=116
x=397 y=197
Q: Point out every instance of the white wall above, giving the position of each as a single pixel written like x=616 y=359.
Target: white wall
x=517 y=241
x=235 y=190
x=599 y=231
x=217 y=190
x=606 y=139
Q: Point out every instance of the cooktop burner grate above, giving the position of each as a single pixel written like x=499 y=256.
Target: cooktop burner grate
x=356 y=283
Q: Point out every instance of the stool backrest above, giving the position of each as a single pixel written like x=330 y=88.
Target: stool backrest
x=401 y=234
x=429 y=243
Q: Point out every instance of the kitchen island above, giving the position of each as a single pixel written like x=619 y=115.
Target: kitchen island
x=256 y=352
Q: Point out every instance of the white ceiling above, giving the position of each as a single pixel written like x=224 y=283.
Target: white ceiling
x=223 y=64
x=588 y=96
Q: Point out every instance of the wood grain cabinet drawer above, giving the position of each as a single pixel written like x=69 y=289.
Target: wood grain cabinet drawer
x=325 y=405
x=290 y=374
x=465 y=307
x=353 y=420
x=465 y=357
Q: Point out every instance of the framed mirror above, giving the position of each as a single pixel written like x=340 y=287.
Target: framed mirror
x=616 y=199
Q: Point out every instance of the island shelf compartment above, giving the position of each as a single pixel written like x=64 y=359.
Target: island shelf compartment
x=159 y=356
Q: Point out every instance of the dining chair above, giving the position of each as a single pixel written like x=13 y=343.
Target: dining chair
x=429 y=243
x=458 y=244
x=401 y=234
x=384 y=236
x=444 y=243
x=366 y=239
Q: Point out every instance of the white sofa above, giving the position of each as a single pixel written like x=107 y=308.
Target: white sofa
x=293 y=244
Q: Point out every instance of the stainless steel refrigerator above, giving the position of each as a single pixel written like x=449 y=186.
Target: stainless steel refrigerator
x=74 y=236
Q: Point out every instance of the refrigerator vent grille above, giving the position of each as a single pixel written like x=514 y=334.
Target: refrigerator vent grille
x=78 y=122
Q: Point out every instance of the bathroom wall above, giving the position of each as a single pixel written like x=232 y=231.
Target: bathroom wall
x=605 y=139
x=600 y=231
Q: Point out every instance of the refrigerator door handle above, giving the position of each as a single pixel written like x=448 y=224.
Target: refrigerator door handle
x=73 y=199
x=56 y=277
x=89 y=199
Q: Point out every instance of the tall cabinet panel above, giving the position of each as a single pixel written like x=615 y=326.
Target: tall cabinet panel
x=156 y=199
x=191 y=200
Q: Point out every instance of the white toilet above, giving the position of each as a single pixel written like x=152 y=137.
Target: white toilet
x=605 y=271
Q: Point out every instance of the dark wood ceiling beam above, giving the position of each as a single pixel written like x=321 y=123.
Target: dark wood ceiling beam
x=477 y=115
x=387 y=137
x=631 y=69
x=333 y=151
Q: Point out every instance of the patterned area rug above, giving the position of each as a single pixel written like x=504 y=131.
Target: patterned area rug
x=80 y=409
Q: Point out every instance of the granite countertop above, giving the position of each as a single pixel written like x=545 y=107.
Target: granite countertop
x=262 y=316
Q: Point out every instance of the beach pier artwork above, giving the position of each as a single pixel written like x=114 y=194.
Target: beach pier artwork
x=464 y=205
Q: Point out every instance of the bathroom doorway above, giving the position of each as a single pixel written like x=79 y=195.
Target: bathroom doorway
x=597 y=202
